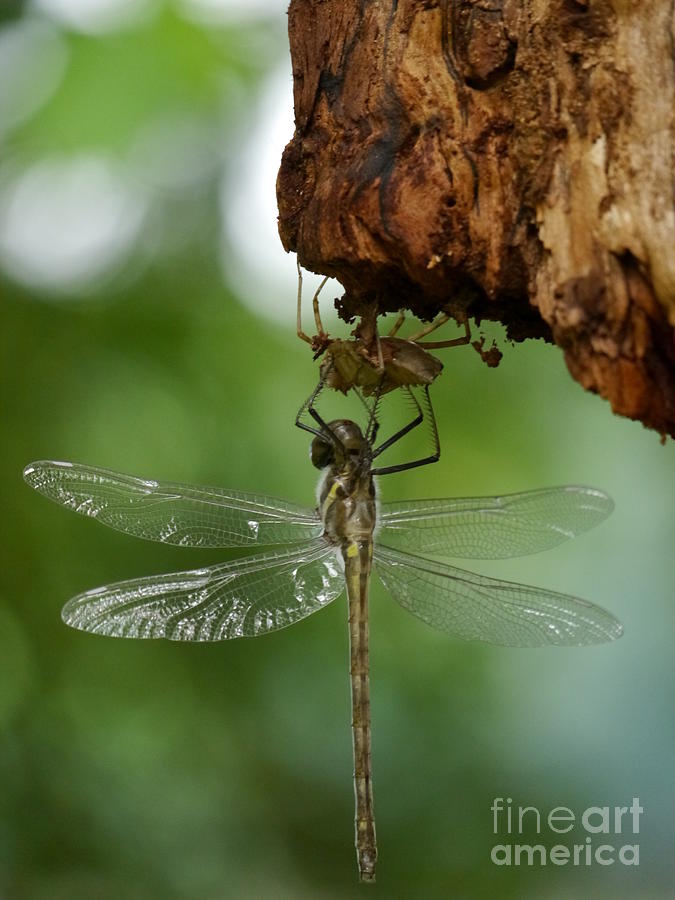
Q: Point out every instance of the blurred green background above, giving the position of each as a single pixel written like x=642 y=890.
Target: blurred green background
x=148 y=326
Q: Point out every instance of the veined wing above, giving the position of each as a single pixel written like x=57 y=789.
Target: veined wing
x=182 y=514
x=243 y=598
x=493 y=527
x=477 y=608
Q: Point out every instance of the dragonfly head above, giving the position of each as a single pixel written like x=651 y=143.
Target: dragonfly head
x=345 y=448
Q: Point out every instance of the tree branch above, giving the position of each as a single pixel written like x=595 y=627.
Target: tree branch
x=499 y=159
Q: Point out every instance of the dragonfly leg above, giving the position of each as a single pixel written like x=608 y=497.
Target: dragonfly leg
x=432 y=326
x=438 y=345
x=301 y=334
x=321 y=334
x=370 y=410
x=373 y=422
x=315 y=307
x=307 y=407
x=324 y=430
x=419 y=418
x=397 y=324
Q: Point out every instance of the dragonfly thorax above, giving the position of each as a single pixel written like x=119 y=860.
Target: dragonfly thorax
x=344 y=450
x=346 y=492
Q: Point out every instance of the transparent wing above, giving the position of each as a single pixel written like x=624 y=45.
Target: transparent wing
x=477 y=608
x=182 y=514
x=493 y=527
x=244 y=598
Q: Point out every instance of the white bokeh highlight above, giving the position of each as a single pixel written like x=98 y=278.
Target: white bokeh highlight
x=253 y=259
x=97 y=16
x=228 y=11
x=33 y=59
x=176 y=151
x=66 y=223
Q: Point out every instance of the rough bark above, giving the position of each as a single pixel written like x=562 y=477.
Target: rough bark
x=503 y=159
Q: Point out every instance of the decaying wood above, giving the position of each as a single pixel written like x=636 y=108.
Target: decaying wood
x=502 y=159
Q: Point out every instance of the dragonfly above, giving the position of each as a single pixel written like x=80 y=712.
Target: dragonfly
x=315 y=554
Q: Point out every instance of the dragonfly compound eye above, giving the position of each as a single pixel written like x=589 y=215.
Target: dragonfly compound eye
x=321 y=453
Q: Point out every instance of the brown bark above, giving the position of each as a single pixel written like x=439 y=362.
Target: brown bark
x=504 y=159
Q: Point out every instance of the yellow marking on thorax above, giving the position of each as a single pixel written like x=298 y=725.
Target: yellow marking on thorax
x=352 y=550
x=331 y=497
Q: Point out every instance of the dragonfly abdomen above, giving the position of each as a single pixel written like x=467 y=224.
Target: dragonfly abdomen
x=357 y=555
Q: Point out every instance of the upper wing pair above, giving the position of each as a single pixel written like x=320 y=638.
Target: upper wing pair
x=182 y=514
x=270 y=591
x=192 y=516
